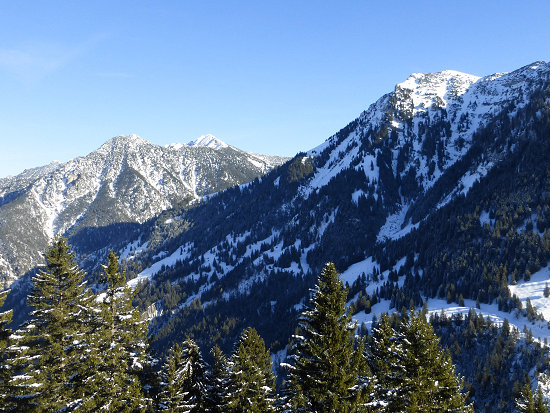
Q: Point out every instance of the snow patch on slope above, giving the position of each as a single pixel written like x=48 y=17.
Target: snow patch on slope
x=534 y=290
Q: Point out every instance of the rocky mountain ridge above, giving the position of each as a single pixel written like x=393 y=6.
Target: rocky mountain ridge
x=126 y=180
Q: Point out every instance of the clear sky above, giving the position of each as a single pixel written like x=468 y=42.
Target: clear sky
x=274 y=77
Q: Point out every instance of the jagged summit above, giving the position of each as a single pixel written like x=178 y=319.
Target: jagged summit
x=209 y=141
x=127 y=180
x=438 y=88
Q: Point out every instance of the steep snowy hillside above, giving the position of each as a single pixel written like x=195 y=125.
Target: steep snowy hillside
x=127 y=180
x=400 y=184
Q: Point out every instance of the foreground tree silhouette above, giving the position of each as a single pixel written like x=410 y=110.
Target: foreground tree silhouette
x=327 y=366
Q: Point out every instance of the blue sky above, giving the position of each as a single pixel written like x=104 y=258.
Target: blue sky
x=269 y=77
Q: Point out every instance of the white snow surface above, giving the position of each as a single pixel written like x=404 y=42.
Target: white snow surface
x=393 y=228
x=180 y=254
x=470 y=101
x=534 y=290
x=209 y=141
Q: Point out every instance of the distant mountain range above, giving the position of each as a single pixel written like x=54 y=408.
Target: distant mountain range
x=127 y=180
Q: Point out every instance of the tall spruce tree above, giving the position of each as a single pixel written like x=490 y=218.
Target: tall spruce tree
x=217 y=382
x=327 y=365
x=384 y=357
x=184 y=379
x=52 y=345
x=414 y=373
x=5 y=367
x=171 y=393
x=251 y=384
x=431 y=383
x=119 y=347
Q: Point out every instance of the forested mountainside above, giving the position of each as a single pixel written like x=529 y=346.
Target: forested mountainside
x=97 y=200
x=436 y=193
x=442 y=181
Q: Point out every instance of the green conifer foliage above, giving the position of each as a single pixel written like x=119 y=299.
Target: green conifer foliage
x=119 y=346
x=251 y=383
x=430 y=382
x=5 y=369
x=526 y=404
x=326 y=370
x=414 y=374
x=217 y=382
x=52 y=358
x=384 y=359
x=184 y=379
x=541 y=405
x=171 y=394
x=532 y=403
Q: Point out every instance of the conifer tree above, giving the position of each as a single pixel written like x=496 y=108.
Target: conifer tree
x=326 y=370
x=217 y=382
x=414 y=373
x=52 y=344
x=120 y=343
x=526 y=403
x=532 y=403
x=251 y=384
x=184 y=379
x=171 y=394
x=5 y=368
x=431 y=383
x=384 y=359
x=541 y=405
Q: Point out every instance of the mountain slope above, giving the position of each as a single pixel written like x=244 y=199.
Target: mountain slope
x=404 y=168
x=127 y=180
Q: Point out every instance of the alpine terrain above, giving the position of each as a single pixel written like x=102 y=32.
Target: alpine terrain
x=435 y=196
x=434 y=204
x=94 y=200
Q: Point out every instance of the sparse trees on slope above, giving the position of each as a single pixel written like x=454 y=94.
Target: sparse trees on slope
x=251 y=383
x=326 y=370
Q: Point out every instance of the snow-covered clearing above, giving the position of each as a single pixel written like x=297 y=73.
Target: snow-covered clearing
x=539 y=329
x=534 y=290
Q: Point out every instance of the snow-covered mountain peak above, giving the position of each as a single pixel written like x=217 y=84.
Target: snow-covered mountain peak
x=209 y=141
x=126 y=140
x=127 y=180
x=427 y=89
